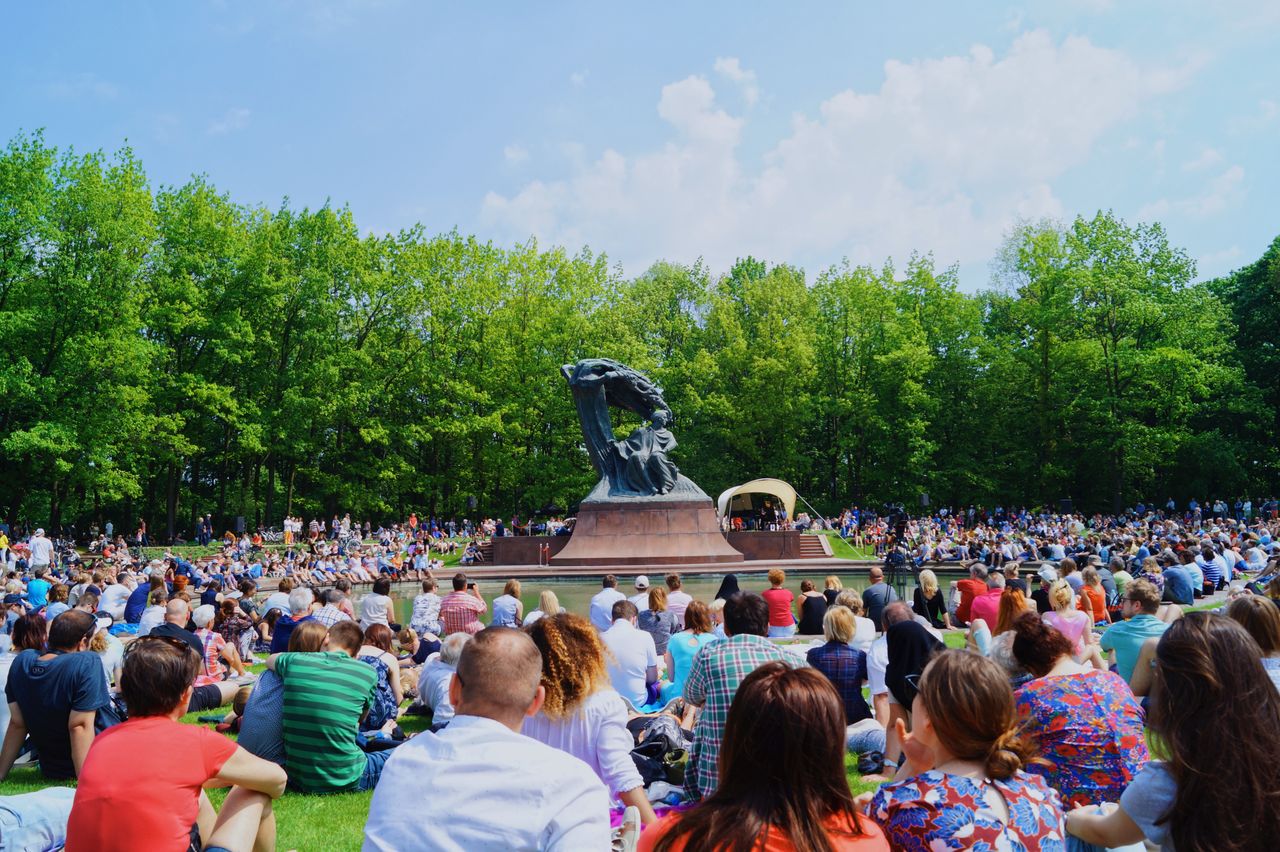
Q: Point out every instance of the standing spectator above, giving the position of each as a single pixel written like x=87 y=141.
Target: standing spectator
x=55 y=697
x=460 y=609
x=602 y=603
x=677 y=598
x=581 y=714
x=634 y=663
x=134 y=777
x=480 y=765
x=717 y=671
x=40 y=559
x=782 y=621
x=878 y=595
x=1138 y=607
x=784 y=725
x=325 y=696
x=1086 y=722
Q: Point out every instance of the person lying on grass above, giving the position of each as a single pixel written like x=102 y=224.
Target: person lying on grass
x=132 y=778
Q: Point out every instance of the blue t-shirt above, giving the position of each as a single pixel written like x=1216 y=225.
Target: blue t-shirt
x=136 y=604
x=1126 y=638
x=38 y=592
x=1147 y=799
x=47 y=691
x=262 y=726
x=1177 y=585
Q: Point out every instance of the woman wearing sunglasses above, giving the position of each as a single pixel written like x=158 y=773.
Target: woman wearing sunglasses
x=147 y=773
x=962 y=785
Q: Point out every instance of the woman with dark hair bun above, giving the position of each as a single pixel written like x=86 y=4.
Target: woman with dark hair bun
x=1085 y=721
x=963 y=784
x=782 y=781
x=1216 y=719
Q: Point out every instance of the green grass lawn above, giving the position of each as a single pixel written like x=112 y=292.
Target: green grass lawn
x=842 y=549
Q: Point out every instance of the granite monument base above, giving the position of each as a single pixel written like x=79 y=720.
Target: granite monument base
x=652 y=531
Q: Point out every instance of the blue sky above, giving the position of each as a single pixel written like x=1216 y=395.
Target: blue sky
x=805 y=132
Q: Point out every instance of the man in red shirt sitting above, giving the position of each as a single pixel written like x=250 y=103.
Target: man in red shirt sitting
x=970 y=589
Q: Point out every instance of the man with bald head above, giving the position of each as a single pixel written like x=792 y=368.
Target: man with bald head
x=481 y=785
x=176 y=616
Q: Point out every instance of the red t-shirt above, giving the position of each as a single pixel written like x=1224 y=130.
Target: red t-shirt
x=779 y=601
x=871 y=840
x=987 y=607
x=969 y=589
x=140 y=788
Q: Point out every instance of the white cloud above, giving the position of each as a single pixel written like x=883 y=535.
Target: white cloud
x=578 y=79
x=944 y=157
x=1222 y=192
x=1207 y=158
x=514 y=154
x=1217 y=263
x=82 y=85
x=234 y=119
x=730 y=68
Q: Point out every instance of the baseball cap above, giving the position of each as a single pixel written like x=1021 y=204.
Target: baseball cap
x=642 y=582
x=1048 y=573
x=11 y=599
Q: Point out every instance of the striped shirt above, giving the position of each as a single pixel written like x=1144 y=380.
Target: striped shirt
x=325 y=694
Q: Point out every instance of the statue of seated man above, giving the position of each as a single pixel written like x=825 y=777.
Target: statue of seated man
x=644 y=466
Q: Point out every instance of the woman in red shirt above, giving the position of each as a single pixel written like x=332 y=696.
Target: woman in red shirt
x=141 y=785
x=782 y=622
x=786 y=725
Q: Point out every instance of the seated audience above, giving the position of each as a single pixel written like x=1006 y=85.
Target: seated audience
x=508 y=609
x=548 y=604
x=929 y=602
x=713 y=680
x=388 y=693
x=490 y=787
x=326 y=693
x=656 y=620
x=782 y=621
x=963 y=783
x=54 y=697
x=813 y=606
x=426 y=610
x=581 y=714
x=846 y=668
x=1213 y=713
x=782 y=781
x=683 y=647
x=1138 y=607
x=1086 y=722
x=300 y=601
x=141 y=784
x=262 y=722
x=1262 y=620
x=437 y=674
x=460 y=609
x=633 y=661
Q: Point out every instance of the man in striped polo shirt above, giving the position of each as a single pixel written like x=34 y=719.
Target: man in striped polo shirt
x=326 y=693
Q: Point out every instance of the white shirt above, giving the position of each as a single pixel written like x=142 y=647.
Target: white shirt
x=634 y=653
x=373 y=610
x=41 y=550
x=276 y=600
x=596 y=733
x=602 y=607
x=152 y=617
x=877 y=663
x=641 y=600
x=114 y=597
x=487 y=788
x=433 y=689
x=864 y=634
x=677 y=603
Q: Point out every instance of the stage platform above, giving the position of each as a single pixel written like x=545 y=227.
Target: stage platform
x=755 y=566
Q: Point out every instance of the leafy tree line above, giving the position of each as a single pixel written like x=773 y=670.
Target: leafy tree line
x=166 y=352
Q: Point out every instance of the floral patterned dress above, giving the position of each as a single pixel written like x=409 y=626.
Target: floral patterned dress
x=1089 y=727
x=936 y=811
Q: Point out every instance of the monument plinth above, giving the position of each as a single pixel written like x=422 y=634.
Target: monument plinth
x=643 y=511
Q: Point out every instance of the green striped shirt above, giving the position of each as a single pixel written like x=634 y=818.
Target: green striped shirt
x=325 y=694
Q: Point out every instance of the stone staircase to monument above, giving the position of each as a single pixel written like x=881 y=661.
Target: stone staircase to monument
x=814 y=547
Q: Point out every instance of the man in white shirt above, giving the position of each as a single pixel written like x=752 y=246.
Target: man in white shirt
x=641 y=598
x=41 y=551
x=488 y=787
x=602 y=603
x=635 y=657
x=436 y=677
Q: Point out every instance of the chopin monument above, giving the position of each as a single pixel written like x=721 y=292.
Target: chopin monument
x=643 y=511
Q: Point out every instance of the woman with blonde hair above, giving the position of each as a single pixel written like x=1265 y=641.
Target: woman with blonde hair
x=582 y=715
x=864 y=631
x=832 y=587
x=548 y=604
x=1068 y=620
x=929 y=602
x=507 y=607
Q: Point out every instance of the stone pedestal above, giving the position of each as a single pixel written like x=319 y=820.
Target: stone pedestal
x=652 y=531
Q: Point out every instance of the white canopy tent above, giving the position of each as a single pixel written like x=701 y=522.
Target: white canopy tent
x=738 y=498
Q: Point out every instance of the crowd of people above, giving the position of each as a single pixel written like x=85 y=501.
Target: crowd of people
x=1093 y=705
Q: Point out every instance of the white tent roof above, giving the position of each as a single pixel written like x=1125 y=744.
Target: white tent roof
x=775 y=487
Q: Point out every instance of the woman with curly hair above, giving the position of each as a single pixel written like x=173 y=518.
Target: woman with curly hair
x=582 y=715
x=1215 y=716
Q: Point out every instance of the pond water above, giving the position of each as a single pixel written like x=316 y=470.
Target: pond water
x=575 y=593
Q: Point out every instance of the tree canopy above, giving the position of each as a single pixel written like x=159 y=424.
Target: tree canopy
x=167 y=352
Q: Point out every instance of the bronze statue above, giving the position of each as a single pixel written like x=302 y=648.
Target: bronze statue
x=639 y=465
